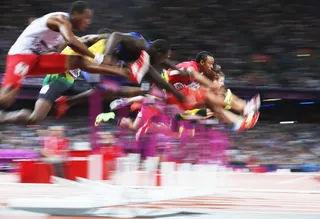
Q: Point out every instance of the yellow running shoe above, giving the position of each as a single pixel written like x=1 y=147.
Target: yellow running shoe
x=104 y=117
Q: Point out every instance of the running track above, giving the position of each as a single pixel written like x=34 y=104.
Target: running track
x=289 y=194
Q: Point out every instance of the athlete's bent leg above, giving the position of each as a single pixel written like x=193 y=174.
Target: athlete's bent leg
x=226 y=116
x=241 y=106
x=25 y=117
x=215 y=100
x=17 y=67
x=40 y=112
x=15 y=117
x=65 y=103
x=8 y=95
x=47 y=95
x=238 y=104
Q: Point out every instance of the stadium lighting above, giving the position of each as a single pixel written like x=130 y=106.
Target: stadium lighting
x=306 y=103
x=304 y=55
x=287 y=122
x=270 y=100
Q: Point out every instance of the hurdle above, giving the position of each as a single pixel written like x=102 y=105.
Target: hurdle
x=171 y=177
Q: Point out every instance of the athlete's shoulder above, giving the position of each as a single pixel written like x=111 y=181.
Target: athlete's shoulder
x=41 y=22
x=58 y=13
x=49 y=15
x=139 y=37
x=135 y=34
x=185 y=64
x=188 y=66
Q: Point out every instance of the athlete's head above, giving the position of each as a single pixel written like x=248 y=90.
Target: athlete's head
x=205 y=62
x=159 y=50
x=31 y=19
x=104 y=30
x=221 y=78
x=216 y=68
x=80 y=15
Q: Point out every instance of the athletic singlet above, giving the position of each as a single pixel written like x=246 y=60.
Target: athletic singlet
x=37 y=38
x=126 y=55
x=97 y=48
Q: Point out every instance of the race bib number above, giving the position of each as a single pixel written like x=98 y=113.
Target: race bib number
x=194 y=86
x=179 y=86
x=21 y=69
x=75 y=73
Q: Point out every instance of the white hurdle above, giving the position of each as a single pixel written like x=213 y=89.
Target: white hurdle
x=150 y=167
x=167 y=174
x=199 y=179
x=126 y=173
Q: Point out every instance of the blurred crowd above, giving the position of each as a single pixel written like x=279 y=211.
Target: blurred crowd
x=276 y=144
x=272 y=43
x=265 y=144
x=14 y=136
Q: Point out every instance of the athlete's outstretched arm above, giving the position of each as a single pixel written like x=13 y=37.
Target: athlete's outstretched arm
x=213 y=85
x=196 y=75
x=62 y=24
x=169 y=64
x=117 y=38
x=91 y=39
x=156 y=78
x=88 y=40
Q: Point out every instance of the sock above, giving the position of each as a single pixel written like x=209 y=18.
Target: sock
x=237 y=125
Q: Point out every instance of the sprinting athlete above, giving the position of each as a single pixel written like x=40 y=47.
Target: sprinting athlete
x=33 y=52
x=233 y=102
x=126 y=48
x=158 y=49
x=56 y=85
x=193 y=87
x=217 y=103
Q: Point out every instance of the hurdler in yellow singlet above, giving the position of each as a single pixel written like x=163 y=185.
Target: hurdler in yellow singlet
x=96 y=48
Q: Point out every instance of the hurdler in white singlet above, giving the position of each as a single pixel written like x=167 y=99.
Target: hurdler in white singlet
x=37 y=38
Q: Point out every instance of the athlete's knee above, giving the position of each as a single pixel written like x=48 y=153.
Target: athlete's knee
x=22 y=116
x=35 y=119
x=41 y=110
x=218 y=109
x=4 y=104
x=7 y=97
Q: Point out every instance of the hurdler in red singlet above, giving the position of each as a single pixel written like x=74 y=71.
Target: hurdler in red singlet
x=187 y=85
x=33 y=53
x=29 y=54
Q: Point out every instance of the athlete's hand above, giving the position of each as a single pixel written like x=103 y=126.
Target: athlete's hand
x=215 y=85
x=109 y=60
x=98 y=58
x=125 y=123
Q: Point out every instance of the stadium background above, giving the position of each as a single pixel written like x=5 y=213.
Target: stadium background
x=270 y=47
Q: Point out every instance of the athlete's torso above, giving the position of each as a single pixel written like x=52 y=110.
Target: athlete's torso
x=181 y=81
x=37 y=38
